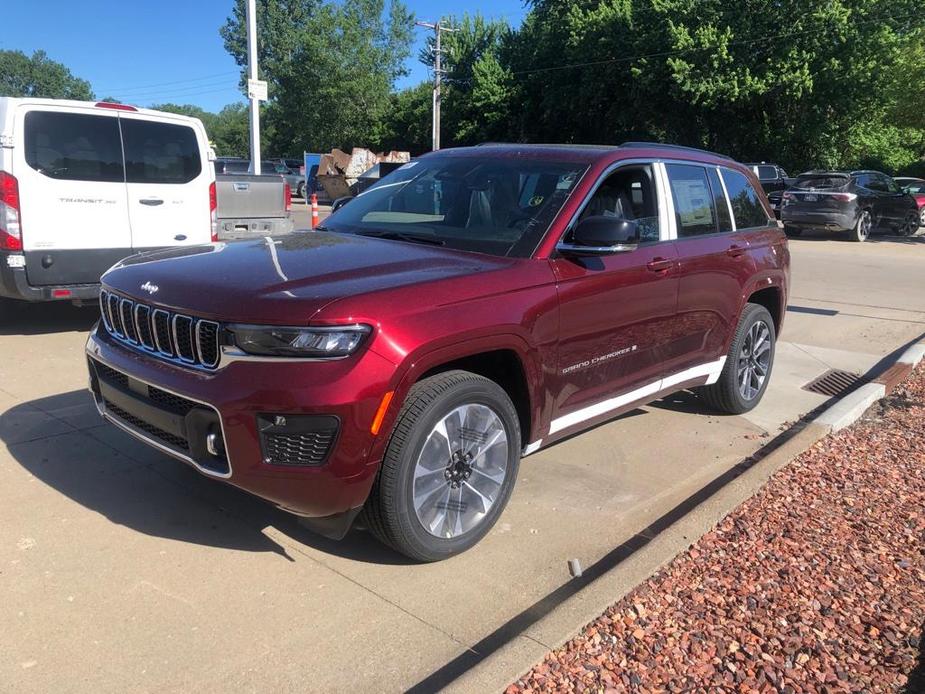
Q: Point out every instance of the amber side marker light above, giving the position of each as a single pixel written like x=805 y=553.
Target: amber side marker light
x=380 y=413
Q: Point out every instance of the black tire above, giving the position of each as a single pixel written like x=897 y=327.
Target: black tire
x=389 y=512
x=792 y=231
x=725 y=395
x=910 y=226
x=862 y=227
x=300 y=191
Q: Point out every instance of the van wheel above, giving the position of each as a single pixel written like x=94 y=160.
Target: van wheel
x=747 y=371
x=861 y=229
x=449 y=468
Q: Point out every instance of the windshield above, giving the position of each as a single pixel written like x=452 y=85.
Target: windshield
x=822 y=182
x=500 y=206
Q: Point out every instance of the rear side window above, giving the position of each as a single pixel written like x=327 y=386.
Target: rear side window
x=719 y=201
x=694 y=209
x=159 y=152
x=746 y=204
x=74 y=147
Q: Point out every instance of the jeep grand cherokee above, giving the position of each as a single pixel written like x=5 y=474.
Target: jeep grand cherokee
x=473 y=307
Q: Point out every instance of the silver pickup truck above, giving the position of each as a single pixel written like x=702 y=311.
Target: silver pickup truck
x=250 y=205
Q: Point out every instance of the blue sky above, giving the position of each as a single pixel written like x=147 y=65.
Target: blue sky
x=151 y=51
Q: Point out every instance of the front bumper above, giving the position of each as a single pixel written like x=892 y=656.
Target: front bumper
x=244 y=393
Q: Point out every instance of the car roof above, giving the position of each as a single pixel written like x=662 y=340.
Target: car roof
x=588 y=153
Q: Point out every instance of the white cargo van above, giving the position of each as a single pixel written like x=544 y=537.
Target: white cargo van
x=83 y=185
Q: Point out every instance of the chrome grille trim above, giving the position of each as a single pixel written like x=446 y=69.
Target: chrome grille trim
x=136 y=324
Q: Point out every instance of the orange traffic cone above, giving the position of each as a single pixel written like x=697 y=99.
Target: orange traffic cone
x=314 y=210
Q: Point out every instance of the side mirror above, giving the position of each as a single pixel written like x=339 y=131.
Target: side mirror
x=601 y=236
x=340 y=202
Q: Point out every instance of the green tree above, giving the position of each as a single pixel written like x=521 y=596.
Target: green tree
x=331 y=67
x=39 y=76
x=228 y=130
x=407 y=123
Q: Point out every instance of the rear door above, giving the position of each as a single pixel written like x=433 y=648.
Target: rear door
x=72 y=187
x=167 y=179
x=719 y=215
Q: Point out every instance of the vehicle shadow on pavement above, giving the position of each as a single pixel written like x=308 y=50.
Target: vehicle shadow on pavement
x=61 y=441
x=875 y=237
x=24 y=318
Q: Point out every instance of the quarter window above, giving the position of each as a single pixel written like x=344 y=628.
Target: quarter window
x=159 y=152
x=746 y=204
x=694 y=208
x=74 y=147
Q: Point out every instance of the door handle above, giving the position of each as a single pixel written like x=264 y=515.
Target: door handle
x=151 y=202
x=735 y=250
x=659 y=265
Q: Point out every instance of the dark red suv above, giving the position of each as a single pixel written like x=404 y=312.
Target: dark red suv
x=472 y=307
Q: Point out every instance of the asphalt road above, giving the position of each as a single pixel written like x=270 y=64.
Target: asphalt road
x=123 y=570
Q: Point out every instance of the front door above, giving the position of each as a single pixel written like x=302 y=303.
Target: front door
x=167 y=182
x=615 y=310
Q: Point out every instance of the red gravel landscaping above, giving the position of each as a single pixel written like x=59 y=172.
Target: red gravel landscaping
x=817 y=583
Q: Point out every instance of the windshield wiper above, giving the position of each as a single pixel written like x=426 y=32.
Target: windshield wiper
x=403 y=236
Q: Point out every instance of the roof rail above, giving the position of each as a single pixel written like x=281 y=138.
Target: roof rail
x=664 y=145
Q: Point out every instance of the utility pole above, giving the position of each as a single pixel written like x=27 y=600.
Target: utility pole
x=255 y=88
x=438 y=29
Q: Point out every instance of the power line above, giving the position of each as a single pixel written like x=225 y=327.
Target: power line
x=171 y=92
x=171 y=83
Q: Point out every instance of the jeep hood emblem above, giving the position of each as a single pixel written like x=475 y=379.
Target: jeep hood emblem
x=150 y=288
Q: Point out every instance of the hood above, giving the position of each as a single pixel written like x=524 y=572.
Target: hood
x=287 y=278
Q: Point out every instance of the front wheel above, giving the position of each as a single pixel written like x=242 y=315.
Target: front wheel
x=747 y=370
x=861 y=229
x=449 y=468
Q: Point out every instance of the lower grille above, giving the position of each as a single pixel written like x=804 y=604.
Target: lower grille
x=164 y=437
x=298 y=449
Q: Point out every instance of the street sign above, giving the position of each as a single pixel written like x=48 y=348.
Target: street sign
x=257 y=89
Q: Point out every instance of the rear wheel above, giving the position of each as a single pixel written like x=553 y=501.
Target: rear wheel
x=300 y=190
x=862 y=227
x=922 y=217
x=747 y=370
x=911 y=225
x=449 y=468
x=792 y=231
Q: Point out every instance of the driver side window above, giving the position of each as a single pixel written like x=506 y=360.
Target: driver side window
x=628 y=193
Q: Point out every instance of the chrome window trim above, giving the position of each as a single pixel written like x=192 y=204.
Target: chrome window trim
x=722 y=182
x=94 y=352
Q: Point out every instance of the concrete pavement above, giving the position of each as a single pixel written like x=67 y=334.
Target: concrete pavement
x=123 y=570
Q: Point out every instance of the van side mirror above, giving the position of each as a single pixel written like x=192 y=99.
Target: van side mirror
x=601 y=235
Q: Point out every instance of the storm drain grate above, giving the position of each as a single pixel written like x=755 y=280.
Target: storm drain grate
x=834 y=382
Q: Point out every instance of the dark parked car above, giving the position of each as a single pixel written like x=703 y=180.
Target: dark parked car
x=774 y=180
x=855 y=202
x=916 y=188
x=470 y=308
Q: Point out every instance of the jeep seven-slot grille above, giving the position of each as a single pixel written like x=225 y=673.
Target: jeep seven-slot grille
x=193 y=341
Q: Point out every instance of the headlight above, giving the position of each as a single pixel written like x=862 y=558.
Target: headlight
x=271 y=340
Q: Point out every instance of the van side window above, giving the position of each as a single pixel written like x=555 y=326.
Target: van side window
x=695 y=211
x=74 y=147
x=159 y=152
x=628 y=193
x=746 y=205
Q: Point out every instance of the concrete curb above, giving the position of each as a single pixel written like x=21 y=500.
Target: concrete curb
x=520 y=654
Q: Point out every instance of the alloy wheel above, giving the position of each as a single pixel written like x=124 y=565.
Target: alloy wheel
x=864 y=225
x=461 y=470
x=754 y=361
x=922 y=217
